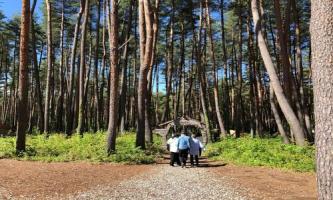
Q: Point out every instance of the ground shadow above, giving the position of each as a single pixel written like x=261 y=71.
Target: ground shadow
x=211 y=165
x=203 y=162
x=201 y=165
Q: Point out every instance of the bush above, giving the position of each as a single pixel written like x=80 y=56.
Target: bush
x=92 y=147
x=263 y=152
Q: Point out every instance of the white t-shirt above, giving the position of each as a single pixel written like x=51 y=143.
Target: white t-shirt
x=173 y=143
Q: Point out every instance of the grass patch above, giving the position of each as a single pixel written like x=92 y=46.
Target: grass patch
x=263 y=152
x=92 y=147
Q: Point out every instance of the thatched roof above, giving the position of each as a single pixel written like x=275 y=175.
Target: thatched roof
x=164 y=128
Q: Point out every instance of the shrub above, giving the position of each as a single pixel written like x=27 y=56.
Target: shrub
x=263 y=152
x=91 y=147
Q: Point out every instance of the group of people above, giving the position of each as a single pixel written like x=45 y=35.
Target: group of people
x=181 y=146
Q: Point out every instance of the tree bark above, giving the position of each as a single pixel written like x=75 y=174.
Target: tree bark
x=212 y=54
x=251 y=70
x=277 y=116
x=146 y=45
x=284 y=56
x=96 y=74
x=70 y=100
x=101 y=91
x=60 y=100
x=124 y=82
x=22 y=118
x=82 y=69
x=142 y=83
x=169 y=68
x=148 y=111
x=181 y=80
x=283 y=102
x=239 y=111
x=303 y=114
x=225 y=69
x=114 y=79
x=49 y=68
x=202 y=87
x=321 y=30
x=36 y=70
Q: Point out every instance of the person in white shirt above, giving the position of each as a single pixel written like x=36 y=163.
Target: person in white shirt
x=173 y=148
x=195 y=149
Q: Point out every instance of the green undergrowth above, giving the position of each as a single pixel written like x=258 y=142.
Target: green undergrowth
x=263 y=152
x=92 y=147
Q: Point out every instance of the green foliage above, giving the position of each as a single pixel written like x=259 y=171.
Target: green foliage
x=92 y=147
x=263 y=152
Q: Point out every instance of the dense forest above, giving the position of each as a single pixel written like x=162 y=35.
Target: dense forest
x=238 y=66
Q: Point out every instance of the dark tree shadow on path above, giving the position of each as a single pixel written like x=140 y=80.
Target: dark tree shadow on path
x=203 y=162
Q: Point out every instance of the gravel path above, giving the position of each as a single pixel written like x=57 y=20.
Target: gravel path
x=166 y=182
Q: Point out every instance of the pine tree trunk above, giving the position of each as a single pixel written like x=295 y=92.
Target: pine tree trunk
x=282 y=43
x=114 y=79
x=321 y=30
x=124 y=82
x=239 y=111
x=251 y=70
x=96 y=74
x=35 y=70
x=146 y=49
x=232 y=76
x=148 y=116
x=81 y=111
x=202 y=87
x=101 y=91
x=142 y=82
x=49 y=69
x=133 y=107
x=300 y=74
x=212 y=54
x=85 y=89
x=60 y=100
x=70 y=101
x=283 y=102
x=157 y=103
x=169 y=69
x=181 y=91
x=225 y=69
x=277 y=116
x=14 y=88
x=22 y=118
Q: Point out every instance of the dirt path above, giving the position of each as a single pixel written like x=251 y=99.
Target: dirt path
x=266 y=183
x=35 y=180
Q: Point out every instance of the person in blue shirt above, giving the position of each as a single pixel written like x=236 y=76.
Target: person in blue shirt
x=183 y=147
